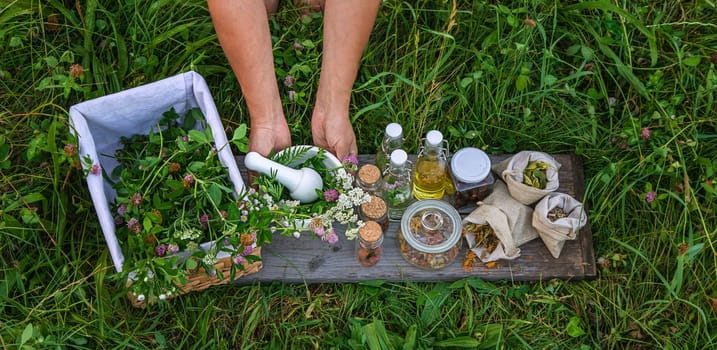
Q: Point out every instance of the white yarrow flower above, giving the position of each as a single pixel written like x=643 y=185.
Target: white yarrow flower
x=352 y=233
x=209 y=259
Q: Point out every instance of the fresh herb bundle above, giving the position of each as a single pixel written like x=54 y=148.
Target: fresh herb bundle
x=337 y=199
x=177 y=213
x=176 y=210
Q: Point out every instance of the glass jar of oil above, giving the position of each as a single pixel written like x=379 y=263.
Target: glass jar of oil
x=430 y=174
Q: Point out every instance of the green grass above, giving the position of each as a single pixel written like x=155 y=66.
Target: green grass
x=474 y=70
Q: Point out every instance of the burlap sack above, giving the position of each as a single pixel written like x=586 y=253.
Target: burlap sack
x=511 y=171
x=509 y=219
x=555 y=233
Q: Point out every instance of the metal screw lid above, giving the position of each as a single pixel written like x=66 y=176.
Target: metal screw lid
x=433 y=215
x=470 y=165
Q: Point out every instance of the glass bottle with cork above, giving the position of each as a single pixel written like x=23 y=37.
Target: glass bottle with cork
x=431 y=171
x=397 y=187
x=368 y=245
x=392 y=140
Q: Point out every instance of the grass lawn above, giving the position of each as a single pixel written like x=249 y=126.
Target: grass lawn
x=629 y=86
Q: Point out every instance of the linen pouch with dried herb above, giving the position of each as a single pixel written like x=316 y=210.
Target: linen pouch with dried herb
x=499 y=226
x=530 y=175
x=558 y=217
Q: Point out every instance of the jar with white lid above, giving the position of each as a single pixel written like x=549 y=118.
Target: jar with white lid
x=430 y=234
x=472 y=178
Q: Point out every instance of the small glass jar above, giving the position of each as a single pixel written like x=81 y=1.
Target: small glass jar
x=472 y=179
x=369 y=178
x=375 y=210
x=368 y=244
x=430 y=234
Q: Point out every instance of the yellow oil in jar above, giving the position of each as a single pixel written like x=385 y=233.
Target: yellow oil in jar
x=429 y=178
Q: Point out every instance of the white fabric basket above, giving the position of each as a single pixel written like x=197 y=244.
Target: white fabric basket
x=100 y=123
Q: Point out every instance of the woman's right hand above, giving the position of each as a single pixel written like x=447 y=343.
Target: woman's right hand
x=266 y=138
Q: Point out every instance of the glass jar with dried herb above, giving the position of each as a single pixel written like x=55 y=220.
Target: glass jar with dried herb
x=472 y=180
x=368 y=245
x=369 y=178
x=430 y=234
x=375 y=210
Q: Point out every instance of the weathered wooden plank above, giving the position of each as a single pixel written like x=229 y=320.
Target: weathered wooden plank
x=304 y=260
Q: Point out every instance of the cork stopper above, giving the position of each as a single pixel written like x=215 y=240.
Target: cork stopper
x=371 y=231
x=369 y=173
x=375 y=208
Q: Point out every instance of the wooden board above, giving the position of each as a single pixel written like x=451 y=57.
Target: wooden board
x=304 y=260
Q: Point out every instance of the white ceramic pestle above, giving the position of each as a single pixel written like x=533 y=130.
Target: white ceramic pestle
x=301 y=183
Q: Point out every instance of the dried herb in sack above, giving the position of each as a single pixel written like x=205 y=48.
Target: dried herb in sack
x=535 y=174
x=484 y=237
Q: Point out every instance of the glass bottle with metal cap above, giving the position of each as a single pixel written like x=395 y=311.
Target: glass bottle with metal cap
x=431 y=171
x=392 y=140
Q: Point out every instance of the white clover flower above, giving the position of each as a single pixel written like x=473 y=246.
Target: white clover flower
x=140 y=297
x=162 y=297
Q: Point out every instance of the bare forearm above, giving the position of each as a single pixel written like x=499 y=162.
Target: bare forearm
x=243 y=31
x=348 y=25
